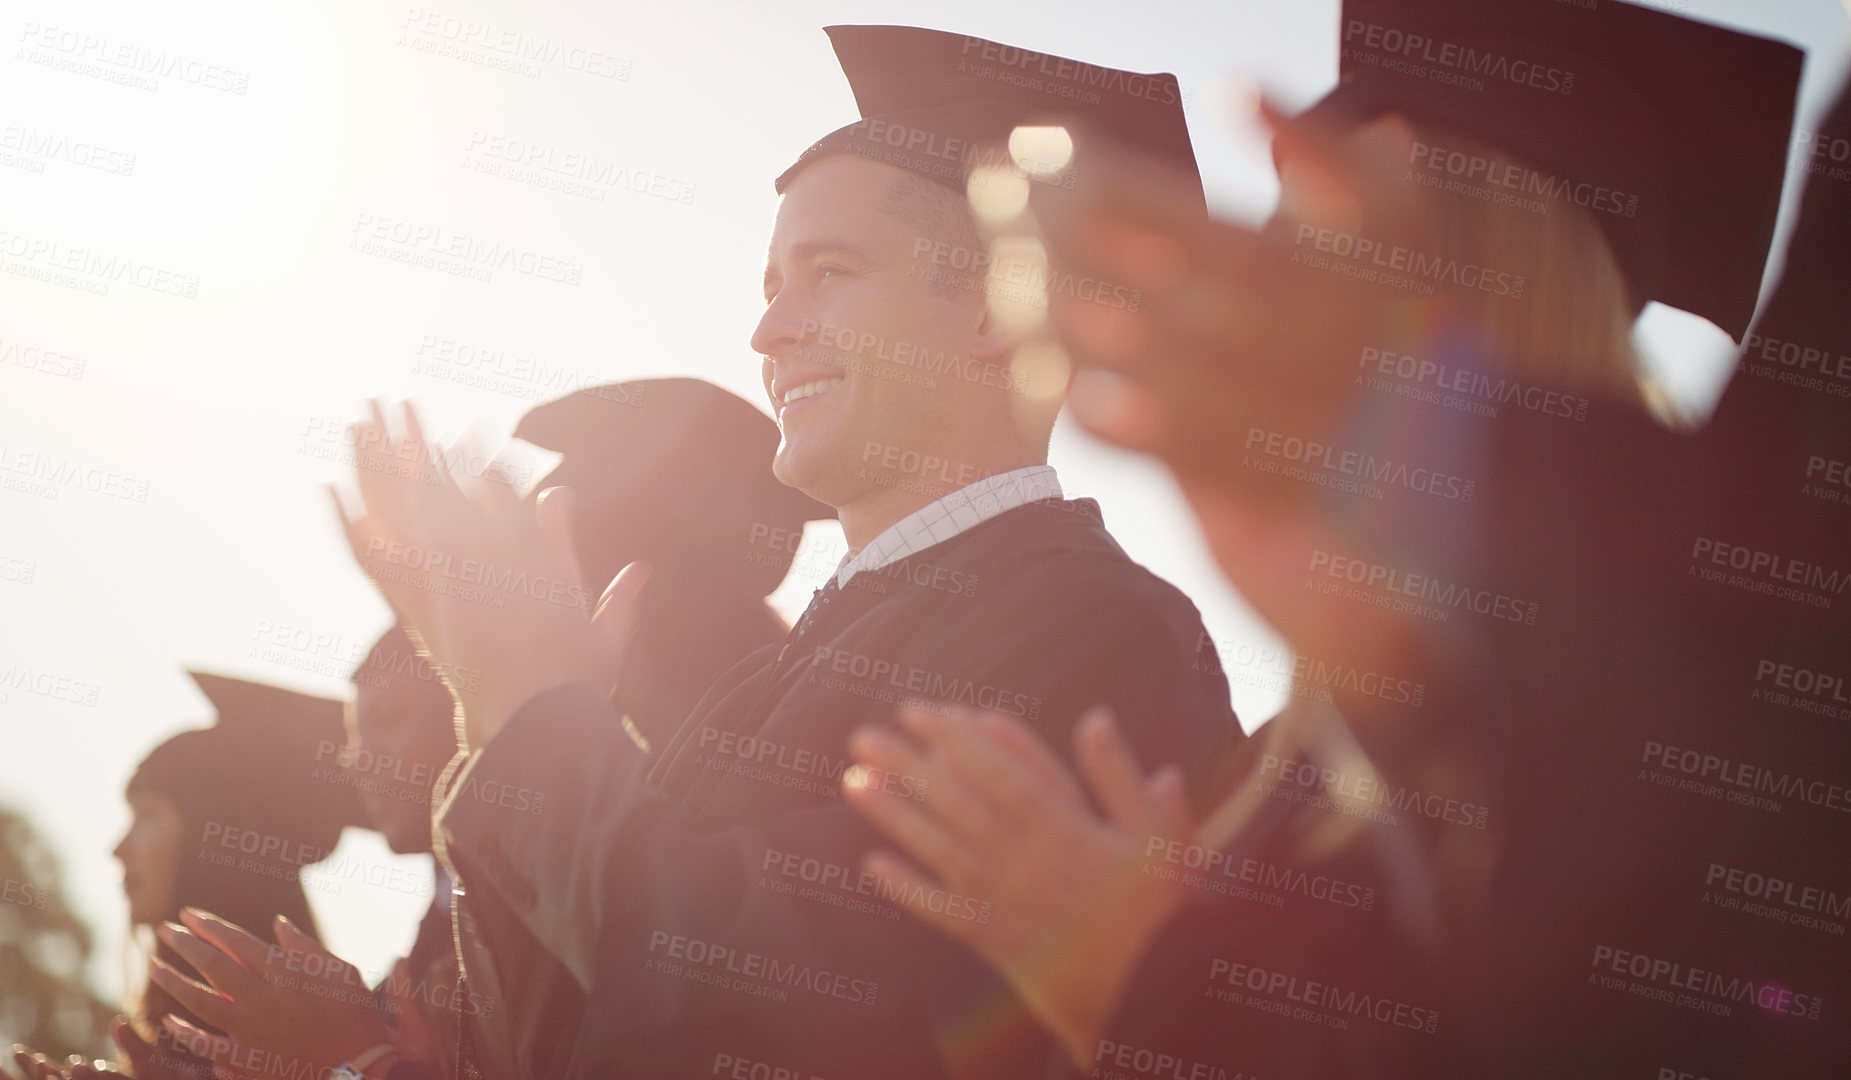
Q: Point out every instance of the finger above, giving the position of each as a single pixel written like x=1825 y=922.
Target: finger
x=224 y=974
x=918 y=831
x=228 y=937
x=1229 y=819
x=1112 y=771
x=948 y=795
x=195 y=1040
x=1028 y=751
x=301 y=947
x=30 y=1063
x=1094 y=241
x=902 y=880
x=995 y=755
x=1118 y=210
x=435 y=462
x=208 y=1004
x=555 y=510
x=370 y=436
x=135 y=1049
x=341 y=514
x=414 y=428
x=1167 y=794
x=397 y=992
x=617 y=610
x=1118 y=410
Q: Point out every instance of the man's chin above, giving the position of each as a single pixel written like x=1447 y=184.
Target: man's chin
x=819 y=476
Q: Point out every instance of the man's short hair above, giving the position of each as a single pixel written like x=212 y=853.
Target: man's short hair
x=940 y=215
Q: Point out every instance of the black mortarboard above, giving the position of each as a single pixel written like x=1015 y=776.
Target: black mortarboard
x=675 y=472
x=936 y=103
x=1683 y=124
x=269 y=766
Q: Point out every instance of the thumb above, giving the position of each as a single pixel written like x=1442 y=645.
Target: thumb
x=556 y=509
x=300 y=945
x=615 y=618
x=411 y=1031
x=1166 y=796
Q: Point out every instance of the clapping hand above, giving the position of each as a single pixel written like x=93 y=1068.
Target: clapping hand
x=488 y=581
x=1059 y=900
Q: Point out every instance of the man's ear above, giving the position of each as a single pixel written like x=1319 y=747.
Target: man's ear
x=997 y=337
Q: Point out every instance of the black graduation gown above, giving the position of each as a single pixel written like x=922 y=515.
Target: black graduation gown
x=1647 y=784
x=1661 y=888
x=708 y=897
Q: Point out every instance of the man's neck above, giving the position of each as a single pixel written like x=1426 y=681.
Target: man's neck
x=880 y=508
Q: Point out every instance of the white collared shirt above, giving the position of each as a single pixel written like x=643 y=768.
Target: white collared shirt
x=942 y=519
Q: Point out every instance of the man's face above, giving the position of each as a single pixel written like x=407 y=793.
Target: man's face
x=857 y=340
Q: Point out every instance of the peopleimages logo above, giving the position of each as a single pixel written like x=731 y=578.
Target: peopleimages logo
x=1445 y=596
x=1319 y=458
x=1326 y=1001
x=1060 y=77
x=1722 y=991
x=1373 y=260
x=854 y=881
x=1767 y=573
x=1449 y=62
x=1371 y=790
x=1274 y=879
x=38 y=146
x=1460 y=388
x=1752 y=885
x=1737 y=781
x=754 y=973
x=1522 y=180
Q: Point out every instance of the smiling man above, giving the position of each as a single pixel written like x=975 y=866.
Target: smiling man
x=707 y=892
x=890 y=389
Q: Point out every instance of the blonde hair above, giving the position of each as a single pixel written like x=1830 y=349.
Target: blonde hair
x=1573 y=325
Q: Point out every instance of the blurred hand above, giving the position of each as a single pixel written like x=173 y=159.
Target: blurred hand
x=1240 y=342
x=137 y=1053
x=1063 y=907
x=292 y=1006
x=36 y=1066
x=490 y=587
x=412 y=1030
x=1230 y=332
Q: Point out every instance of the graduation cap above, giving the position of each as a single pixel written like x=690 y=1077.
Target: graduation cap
x=265 y=767
x=675 y=472
x=939 y=104
x=1672 y=132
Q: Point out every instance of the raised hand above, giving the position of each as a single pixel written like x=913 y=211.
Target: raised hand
x=1243 y=360
x=489 y=586
x=1231 y=332
x=36 y=1066
x=1061 y=903
x=412 y=1031
x=288 y=1006
x=142 y=1060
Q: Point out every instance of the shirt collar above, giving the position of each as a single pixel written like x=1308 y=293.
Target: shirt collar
x=946 y=517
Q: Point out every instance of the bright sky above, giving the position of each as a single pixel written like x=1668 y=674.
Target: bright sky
x=243 y=177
